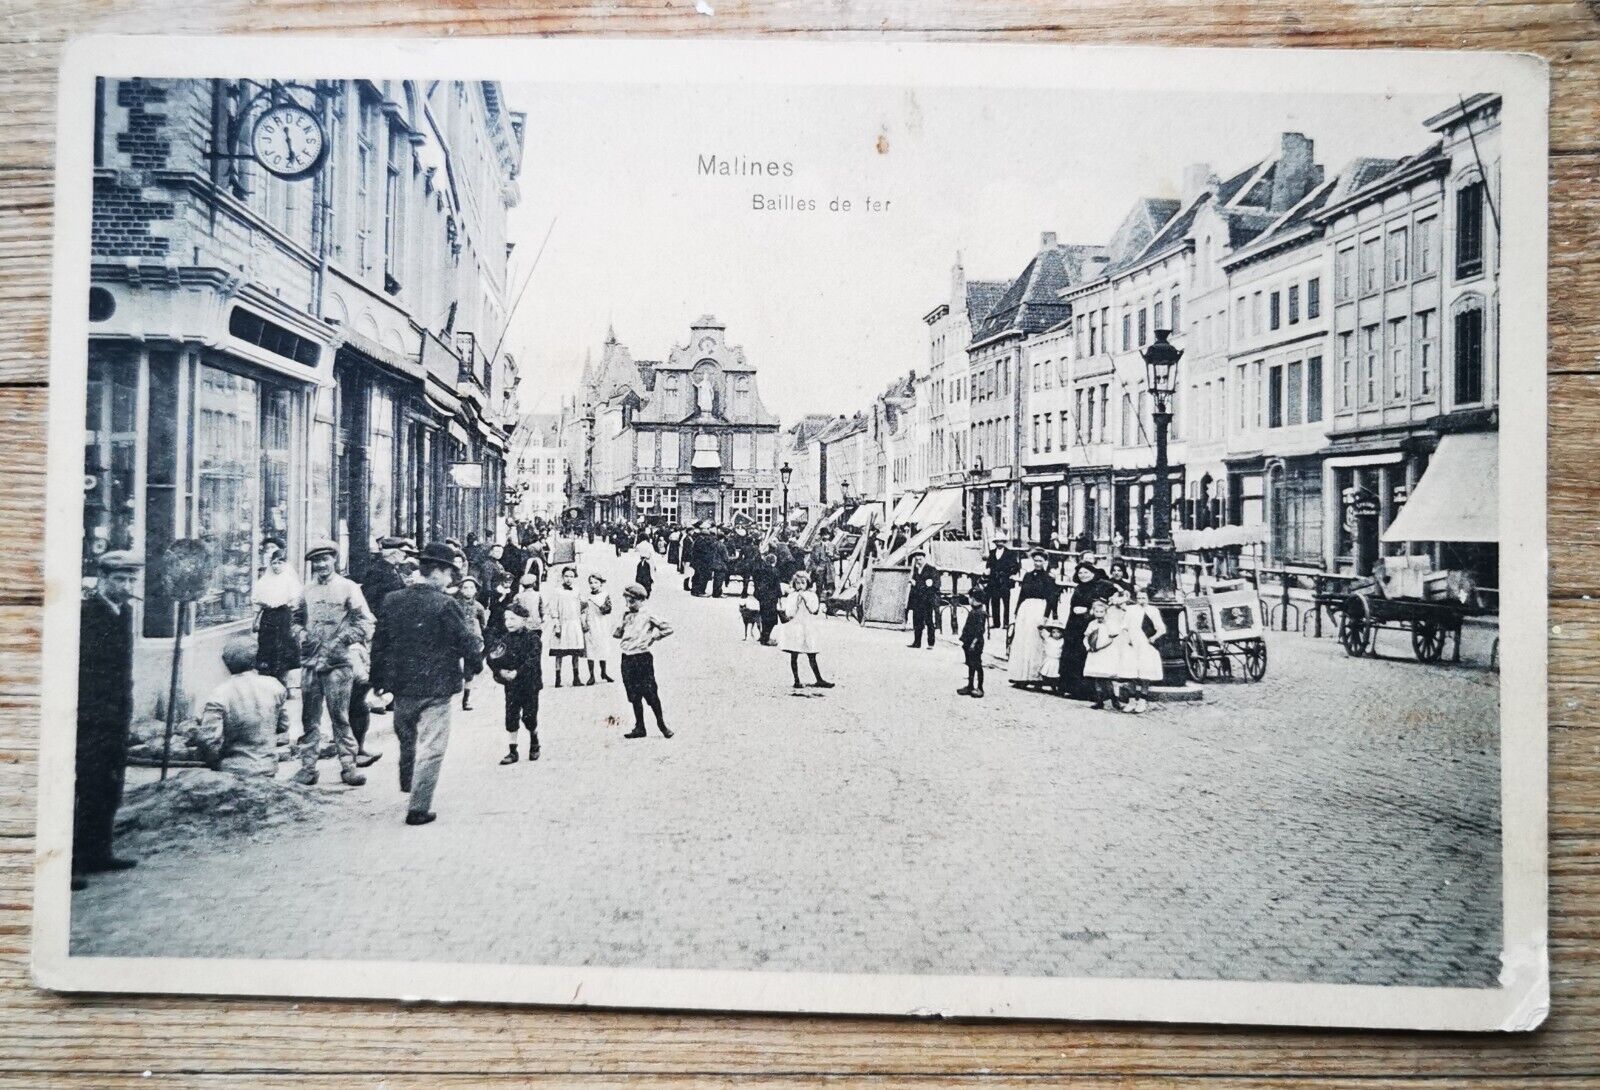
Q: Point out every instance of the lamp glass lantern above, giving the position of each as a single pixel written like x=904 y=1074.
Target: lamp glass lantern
x=1161 y=370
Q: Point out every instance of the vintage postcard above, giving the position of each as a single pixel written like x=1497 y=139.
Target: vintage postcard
x=978 y=530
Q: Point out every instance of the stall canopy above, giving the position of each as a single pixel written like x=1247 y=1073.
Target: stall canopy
x=939 y=505
x=1218 y=537
x=863 y=515
x=1458 y=497
x=903 y=507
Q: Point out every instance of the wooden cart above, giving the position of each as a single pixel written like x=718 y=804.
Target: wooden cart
x=1432 y=613
x=1226 y=630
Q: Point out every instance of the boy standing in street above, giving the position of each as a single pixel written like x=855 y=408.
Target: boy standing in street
x=639 y=631
x=514 y=661
x=972 y=637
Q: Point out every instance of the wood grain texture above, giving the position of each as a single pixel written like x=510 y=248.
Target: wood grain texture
x=114 y=1041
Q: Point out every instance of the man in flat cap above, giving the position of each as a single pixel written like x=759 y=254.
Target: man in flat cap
x=424 y=651
x=105 y=712
x=332 y=616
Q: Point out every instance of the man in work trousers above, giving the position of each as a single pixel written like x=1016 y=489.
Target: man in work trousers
x=924 y=600
x=105 y=712
x=424 y=651
x=332 y=615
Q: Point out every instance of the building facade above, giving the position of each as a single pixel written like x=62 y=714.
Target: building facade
x=538 y=468
x=281 y=361
x=1031 y=304
x=682 y=439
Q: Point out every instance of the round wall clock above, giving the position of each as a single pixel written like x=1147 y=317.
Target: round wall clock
x=288 y=141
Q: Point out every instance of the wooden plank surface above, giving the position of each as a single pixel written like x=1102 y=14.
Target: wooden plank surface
x=117 y=1041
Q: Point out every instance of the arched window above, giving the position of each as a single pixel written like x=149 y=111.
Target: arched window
x=1469 y=337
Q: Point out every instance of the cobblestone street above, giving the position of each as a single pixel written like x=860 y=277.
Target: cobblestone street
x=1338 y=822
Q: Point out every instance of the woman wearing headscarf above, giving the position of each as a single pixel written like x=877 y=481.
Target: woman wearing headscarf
x=1036 y=603
x=276 y=594
x=1089 y=585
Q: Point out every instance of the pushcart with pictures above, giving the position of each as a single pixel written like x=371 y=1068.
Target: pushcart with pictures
x=1226 y=635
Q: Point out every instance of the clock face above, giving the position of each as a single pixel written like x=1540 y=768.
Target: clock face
x=288 y=141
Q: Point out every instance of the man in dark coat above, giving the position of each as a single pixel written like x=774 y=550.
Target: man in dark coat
x=700 y=555
x=720 y=565
x=382 y=576
x=423 y=652
x=924 y=598
x=1002 y=566
x=105 y=712
x=768 y=592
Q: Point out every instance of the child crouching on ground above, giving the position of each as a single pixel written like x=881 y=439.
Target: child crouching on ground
x=973 y=630
x=514 y=660
x=241 y=719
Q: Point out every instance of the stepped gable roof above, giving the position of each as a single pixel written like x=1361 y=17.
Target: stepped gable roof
x=1032 y=303
x=982 y=295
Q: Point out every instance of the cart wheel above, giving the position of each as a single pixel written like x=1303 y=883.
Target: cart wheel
x=1194 y=659
x=1255 y=659
x=1354 y=633
x=1427 y=640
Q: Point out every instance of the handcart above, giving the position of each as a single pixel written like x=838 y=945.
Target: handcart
x=1226 y=632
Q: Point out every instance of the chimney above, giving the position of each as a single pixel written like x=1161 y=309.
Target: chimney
x=1194 y=182
x=1296 y=173
x=958 y=285
x=1047 y=240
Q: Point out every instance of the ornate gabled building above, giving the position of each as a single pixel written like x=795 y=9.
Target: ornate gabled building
x=682 y=439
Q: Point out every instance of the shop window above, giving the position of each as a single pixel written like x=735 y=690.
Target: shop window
x=110 y=442
x=380 y=468
x=226 y=467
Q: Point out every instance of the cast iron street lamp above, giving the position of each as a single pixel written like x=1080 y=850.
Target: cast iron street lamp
x=1161 y=367
x=784 y=474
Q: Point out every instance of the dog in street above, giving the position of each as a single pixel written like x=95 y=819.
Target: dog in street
x=751 y=616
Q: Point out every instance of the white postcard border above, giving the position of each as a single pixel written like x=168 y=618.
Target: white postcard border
x=1522 y=999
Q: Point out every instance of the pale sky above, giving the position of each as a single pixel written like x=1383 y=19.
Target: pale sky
x=828 y=305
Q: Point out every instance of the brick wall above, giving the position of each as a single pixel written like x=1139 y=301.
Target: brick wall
x=124 y=215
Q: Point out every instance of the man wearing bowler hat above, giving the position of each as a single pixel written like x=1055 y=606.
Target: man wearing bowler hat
x=105 y=712
x=332 y=616
x=924 y=601
x=424 y=651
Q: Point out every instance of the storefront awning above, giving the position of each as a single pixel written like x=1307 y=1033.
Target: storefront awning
x=939 y=505
x=706 y=459
x=1458 y=497
x=903 y=507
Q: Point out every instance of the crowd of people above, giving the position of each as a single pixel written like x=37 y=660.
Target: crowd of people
x=419 y=626
x=405 y=639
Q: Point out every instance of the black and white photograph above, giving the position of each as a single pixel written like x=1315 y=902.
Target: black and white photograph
x=989 y=531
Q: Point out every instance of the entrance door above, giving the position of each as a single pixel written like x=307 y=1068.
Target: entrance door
x=705 y=511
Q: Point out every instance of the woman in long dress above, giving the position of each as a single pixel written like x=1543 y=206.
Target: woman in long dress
x=1036 y=603
x=798 y=635
x=598 y=643
x=276 y=593
x=1088 y=587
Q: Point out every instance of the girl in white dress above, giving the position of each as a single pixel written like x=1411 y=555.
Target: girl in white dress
x=1144 y=629
x=1107 y=660
x=598 y=643
x=798 y=634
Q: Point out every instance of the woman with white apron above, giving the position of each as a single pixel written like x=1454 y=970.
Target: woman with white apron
x=1036 y=603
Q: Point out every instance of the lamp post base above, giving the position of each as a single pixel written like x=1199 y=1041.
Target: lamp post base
x=1175 y=684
